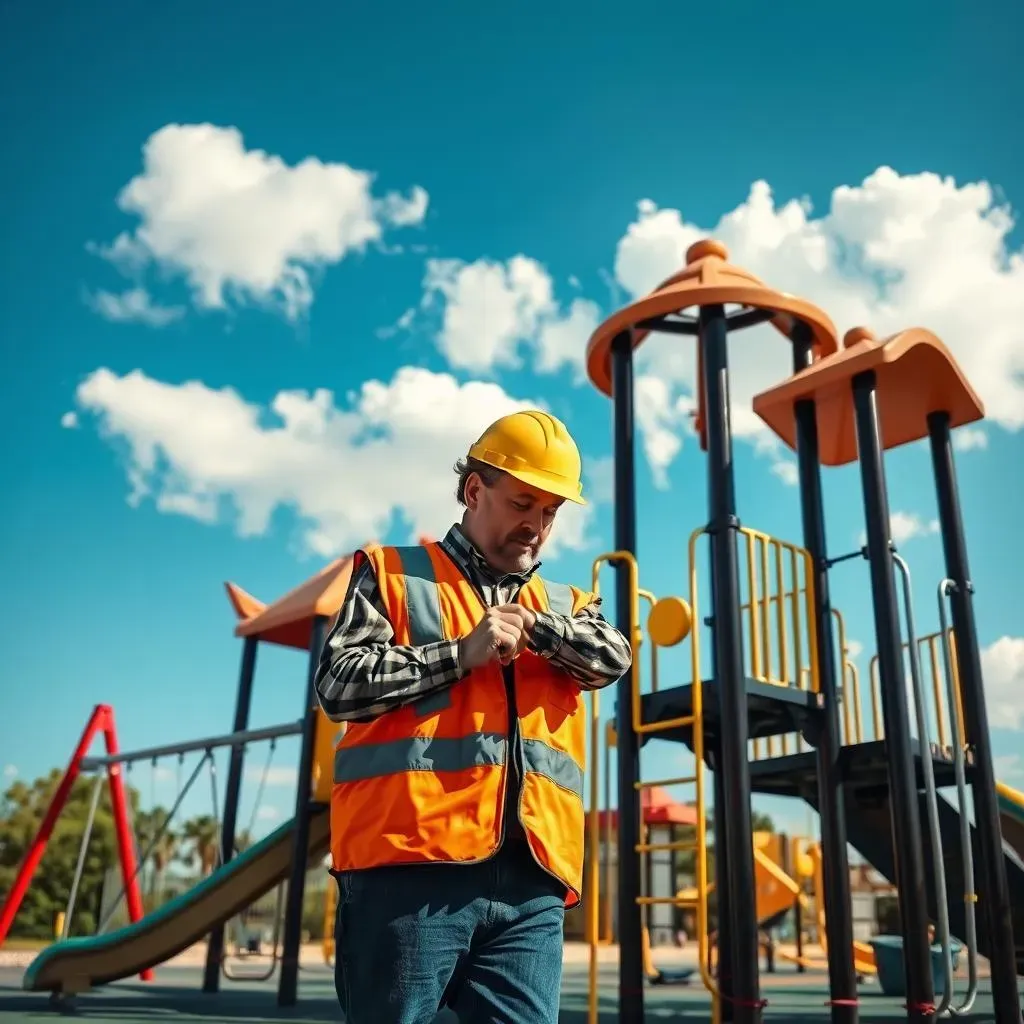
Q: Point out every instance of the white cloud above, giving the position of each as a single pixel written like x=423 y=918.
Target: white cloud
x=1009 y=767
x=1002 y=665
x=243 y=223
x=267 y=812
x=492 y=309
x=348 y=473
x=967 y=438
x=854 y=648
x=277 y=775
x=69 y=420
x=10 y=771
x=787 y=471
x=904 y=526
x=135 y=305
x=599 y=479
x=891 y=253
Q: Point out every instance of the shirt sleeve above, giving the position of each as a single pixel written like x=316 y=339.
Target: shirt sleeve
x=585 y=645
x=362 y=673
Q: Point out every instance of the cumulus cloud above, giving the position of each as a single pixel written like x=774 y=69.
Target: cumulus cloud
x=69 y=420
x=491 y=310
x=904 y=526
x=968 y=438
x=10 y=771
x=896 y=251
x=242 y=223
x=348 y=473
x=135 y=305
x=1002 y=665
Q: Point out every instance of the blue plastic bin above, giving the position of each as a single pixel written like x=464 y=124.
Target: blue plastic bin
x=889 y=961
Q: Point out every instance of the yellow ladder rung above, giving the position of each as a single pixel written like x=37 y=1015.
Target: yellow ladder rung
x=682 y=844
x=648 y=901
x=683 y=780
x=673 y=723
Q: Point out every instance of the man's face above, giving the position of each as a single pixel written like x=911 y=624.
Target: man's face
x=510 y=521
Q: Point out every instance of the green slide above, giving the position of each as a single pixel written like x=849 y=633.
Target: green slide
x=1011 y=813
x=75 y=965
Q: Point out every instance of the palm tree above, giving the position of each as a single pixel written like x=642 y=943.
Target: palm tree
x=203 y=835
x=152 y=830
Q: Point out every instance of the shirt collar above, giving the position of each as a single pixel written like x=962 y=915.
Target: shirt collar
x=460 y=547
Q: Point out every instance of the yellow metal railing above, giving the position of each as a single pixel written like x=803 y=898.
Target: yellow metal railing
x=948 y=722
x=781 y=649
x=693 y=721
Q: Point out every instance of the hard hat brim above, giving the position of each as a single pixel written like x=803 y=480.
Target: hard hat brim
x=550 y=483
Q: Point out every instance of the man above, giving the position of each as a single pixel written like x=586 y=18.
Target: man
x=457 y=810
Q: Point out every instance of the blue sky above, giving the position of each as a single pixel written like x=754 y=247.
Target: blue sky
x=198 y=288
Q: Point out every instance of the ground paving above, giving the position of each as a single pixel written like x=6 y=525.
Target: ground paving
x=173 y=997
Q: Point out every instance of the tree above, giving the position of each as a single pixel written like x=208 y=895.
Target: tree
x=153 y=829
x=203 y=836
x=21 y=813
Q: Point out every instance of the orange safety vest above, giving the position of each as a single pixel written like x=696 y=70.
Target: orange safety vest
x=426 y=782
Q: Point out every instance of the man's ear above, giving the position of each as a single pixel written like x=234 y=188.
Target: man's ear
x=471 y=493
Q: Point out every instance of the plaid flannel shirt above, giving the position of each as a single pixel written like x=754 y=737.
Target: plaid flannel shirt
x=363 y=674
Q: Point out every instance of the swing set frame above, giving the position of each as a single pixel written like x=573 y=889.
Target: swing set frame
x=113 y=762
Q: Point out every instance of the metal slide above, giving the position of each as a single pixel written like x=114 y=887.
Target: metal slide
x=75 y=965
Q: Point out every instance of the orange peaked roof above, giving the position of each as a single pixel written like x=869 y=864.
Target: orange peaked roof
x=288 y=621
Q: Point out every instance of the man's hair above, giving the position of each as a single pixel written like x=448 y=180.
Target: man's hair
x=465 y=467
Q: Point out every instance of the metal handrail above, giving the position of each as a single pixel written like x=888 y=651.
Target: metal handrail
x=959 y=738
x=931 y=796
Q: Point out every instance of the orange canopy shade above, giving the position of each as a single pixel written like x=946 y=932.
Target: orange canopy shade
x=915 y=373
x=289 y=620
x=658 y=808
x=707 y=279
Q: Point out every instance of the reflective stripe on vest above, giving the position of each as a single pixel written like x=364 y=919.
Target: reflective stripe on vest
x=560 y=598
x=421 y=596
x=434 y=754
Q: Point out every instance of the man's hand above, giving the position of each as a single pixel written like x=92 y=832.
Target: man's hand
x=502 y=635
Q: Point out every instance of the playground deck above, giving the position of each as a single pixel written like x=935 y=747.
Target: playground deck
x=174 y=998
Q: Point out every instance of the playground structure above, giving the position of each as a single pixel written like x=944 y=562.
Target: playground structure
x=774 y=704
x=842 y=404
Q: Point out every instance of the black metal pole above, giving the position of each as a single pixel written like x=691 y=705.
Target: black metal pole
x=996 y=909
x=288 y=986
x=842 y=976
x=732 y=696
x=910 y=878
x=631 y=965
x=215 y=948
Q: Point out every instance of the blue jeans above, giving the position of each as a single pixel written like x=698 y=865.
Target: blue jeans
x=483 y=939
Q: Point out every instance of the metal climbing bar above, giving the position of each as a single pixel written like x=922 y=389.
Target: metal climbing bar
x=959 y=768
x=231 y=739
x=931 y=795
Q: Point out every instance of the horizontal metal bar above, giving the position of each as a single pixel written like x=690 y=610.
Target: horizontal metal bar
x=683 y=780
x=675 y=901
x=231 y=739
x=682 y=844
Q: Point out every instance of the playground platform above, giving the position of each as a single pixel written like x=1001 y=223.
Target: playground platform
x=174 y=997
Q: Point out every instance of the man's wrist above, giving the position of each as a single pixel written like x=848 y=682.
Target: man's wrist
x=547 y=634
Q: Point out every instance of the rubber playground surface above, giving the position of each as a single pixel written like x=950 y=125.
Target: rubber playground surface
x=174 y=996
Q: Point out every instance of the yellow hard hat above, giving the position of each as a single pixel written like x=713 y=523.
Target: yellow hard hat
x=536 y=448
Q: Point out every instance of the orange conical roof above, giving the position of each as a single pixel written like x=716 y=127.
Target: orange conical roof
x=707 y=279
x=915 y=375
x=288 y=621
